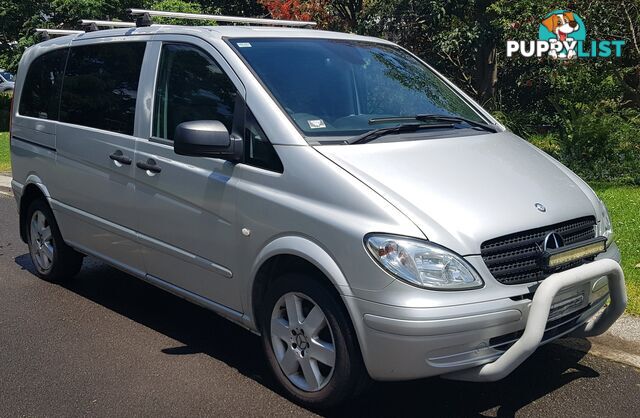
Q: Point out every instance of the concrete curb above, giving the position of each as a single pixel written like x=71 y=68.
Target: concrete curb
x=621 y=343
x=5 y=184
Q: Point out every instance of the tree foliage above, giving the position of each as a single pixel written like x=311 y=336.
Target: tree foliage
x=578 y=110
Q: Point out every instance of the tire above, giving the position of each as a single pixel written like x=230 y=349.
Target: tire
x=296 y=357
x=53 y=260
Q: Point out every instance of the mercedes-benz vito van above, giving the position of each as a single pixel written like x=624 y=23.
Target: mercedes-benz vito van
x=328 y=191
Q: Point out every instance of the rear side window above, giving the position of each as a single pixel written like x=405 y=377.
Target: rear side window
x=190 y=86
x=41 y=91
x=101 y=84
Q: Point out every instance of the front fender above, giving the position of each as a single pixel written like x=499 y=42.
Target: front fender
x=304 y=248
x=308 y=250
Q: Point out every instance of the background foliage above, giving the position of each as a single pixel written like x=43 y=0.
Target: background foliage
x=584 y=112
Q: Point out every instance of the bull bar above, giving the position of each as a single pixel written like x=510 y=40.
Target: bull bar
x=539 y=314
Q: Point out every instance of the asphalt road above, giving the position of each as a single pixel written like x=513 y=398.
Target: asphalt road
x=108 y=344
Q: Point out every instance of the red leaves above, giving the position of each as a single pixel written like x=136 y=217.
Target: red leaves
x=288 y=9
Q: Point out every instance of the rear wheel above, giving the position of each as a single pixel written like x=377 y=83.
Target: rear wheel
x=53 y=259
x=310 y=342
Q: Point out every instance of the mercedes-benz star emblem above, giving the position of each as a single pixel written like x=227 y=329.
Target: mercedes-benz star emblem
x=553 y=241
x=540 y=207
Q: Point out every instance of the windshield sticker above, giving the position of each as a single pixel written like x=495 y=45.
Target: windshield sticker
x=244 y=45
x=316 y=124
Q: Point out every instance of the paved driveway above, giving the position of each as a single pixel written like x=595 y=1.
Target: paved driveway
x=108 y=344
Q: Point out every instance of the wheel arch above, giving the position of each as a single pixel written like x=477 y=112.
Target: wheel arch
x=293 y=254
x=33 y=189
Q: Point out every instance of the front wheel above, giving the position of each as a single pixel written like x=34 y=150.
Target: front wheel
x=310 y=342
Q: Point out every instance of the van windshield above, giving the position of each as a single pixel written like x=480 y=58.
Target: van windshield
x=333 y=88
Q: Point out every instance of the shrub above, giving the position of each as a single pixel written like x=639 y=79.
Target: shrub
x=601 y=143
x=547 y=143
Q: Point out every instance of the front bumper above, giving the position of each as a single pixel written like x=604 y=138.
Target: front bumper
x=484 y=341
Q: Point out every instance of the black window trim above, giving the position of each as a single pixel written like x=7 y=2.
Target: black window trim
x=247 y=111
x=161 y=141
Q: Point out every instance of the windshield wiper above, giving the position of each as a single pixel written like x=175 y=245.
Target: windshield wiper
x=407 y=127
x=437 y=118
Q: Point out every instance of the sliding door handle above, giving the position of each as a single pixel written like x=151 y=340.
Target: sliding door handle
x=119 y=158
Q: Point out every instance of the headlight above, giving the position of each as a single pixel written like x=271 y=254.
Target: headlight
x=422 y=263
x=605 y=229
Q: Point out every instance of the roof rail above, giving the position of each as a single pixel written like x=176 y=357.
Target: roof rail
x=46 y=33
x=94 y=25
x=59 y=31
x=217 y=18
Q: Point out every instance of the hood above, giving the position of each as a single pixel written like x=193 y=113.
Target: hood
x=463 y=191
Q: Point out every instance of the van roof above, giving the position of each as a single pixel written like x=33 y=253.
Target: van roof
x=223 y=31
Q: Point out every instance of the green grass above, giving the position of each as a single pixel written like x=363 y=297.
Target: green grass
x=5 y=162
x=624 y=208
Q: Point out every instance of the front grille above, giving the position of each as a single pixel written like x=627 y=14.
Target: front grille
x=516 y=258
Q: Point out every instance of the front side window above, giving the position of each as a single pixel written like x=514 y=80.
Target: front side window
x=335 y=87
x=41 y=92
x=190 y=86
x=101 y=85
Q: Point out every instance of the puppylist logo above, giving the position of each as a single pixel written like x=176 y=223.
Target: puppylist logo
x=562 y=34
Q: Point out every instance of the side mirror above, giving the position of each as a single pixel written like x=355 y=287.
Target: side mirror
x=202 y=138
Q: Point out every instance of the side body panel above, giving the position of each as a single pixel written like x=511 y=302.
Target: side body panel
x=94 y=196
x=188 y=231
x=33 y=140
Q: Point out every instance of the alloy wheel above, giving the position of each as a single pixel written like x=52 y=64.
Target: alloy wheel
x=302 y=341
x=42 y=246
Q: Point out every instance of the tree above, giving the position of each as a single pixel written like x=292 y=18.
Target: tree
x=315 y=10
x=180 y=6
x=19 y=18
x=459 y=38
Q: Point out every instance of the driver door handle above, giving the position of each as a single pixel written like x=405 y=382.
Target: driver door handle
x=149 y=166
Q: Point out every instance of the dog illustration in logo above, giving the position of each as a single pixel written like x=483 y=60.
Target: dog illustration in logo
x=562 y=25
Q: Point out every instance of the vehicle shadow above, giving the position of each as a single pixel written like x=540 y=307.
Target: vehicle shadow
x=550 y=368
x=201 y=331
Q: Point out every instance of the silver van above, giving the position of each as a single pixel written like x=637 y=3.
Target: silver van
x=327 y=191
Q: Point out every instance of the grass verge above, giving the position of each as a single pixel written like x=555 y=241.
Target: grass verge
x=624 y=208
x=5 y=162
